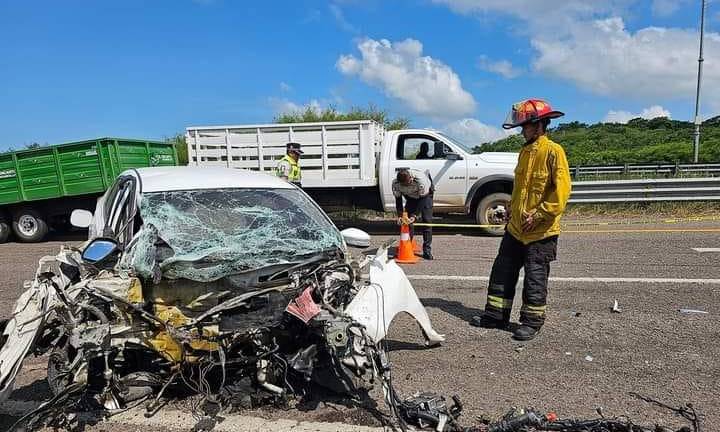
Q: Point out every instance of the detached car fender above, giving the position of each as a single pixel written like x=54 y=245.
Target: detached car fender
x=23 y=327
x=388 y=294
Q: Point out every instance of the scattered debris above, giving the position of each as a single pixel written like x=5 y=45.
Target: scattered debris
x=519 y=348
x=589 y=358
x=431 y=411
x=615 y=307
x=530 y=420
x=693 y=311
x=567 y=353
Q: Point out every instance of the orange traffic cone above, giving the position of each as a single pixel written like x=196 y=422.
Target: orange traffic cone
x=405 y=251
x=417 y=247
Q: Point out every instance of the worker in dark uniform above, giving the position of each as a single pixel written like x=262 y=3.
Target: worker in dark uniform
x=288 y=168
x=417 y=189
x=424 y=151
x=540 y=193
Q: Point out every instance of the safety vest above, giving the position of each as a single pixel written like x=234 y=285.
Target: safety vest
x=294 y=174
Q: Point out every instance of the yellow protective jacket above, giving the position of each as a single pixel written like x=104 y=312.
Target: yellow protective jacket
x=542 y=186
x=289 y=169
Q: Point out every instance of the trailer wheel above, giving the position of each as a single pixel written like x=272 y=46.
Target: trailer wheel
x=491 y=210
x=29 y=226
x=4 y=229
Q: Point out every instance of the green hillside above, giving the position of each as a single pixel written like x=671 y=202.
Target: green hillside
x=659 y=140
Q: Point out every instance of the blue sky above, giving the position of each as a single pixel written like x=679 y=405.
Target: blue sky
x=72 y=70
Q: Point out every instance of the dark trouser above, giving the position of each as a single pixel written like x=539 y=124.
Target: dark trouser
x=513 y=256
x=421 y=208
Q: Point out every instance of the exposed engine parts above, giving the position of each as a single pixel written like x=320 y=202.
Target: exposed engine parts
x=116 y=341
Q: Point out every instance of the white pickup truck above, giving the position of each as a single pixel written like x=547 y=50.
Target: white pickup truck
x=353 y=163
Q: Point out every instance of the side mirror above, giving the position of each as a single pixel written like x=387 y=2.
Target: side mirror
x=356 y=238
x=453 y=156
x=99 y=250
x=81 y=218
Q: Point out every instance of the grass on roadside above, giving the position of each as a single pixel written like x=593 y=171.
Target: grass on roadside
x=575 y=211
x=679 y=209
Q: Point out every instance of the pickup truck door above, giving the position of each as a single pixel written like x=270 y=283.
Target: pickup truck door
x=426 y=152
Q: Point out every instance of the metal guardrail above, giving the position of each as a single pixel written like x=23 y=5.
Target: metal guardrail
x=706 y=170
x=679 y=189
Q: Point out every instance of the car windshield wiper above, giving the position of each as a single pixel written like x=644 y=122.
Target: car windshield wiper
x=315 y=257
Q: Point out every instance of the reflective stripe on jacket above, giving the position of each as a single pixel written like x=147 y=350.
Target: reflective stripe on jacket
x=542 y=186
x=289 y=169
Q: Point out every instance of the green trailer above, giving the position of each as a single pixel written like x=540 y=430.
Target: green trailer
x=39 y=188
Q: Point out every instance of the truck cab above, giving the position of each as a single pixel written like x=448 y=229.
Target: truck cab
x=462 y=180
x=353 y=164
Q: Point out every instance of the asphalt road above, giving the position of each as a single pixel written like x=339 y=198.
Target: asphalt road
x=586 y=356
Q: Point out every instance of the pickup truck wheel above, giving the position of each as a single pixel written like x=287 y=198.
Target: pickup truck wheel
x=29 y=226
x=4 y=229
x=491 y=210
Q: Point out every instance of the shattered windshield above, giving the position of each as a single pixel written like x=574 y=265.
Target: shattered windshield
x=204 y=235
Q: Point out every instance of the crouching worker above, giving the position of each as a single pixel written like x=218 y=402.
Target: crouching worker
x=539 y=196
x=417 y=189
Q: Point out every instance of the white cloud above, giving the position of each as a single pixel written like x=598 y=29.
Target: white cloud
x=589 y=46
x=625 y=116
x=285 y=87
x=665 y=8
x=500 y=67
x=426 y=85
x=539 y=13
x=473 y=132
x=653 y=62
x=342 y=22
x=282 y=105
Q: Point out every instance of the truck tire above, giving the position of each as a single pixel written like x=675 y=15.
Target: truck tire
x=29 y=226
x=491 y=210
x=4 y=229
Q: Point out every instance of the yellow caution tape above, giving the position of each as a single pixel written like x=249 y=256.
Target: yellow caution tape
x=678 y=230
x=581 y=224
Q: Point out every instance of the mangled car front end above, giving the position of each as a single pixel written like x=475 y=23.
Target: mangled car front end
x=244 y=296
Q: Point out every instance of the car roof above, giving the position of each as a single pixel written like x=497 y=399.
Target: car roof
x=161 y=179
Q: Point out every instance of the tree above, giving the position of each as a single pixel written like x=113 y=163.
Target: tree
x=659 y=140
x=313 y=114
x=180 y=146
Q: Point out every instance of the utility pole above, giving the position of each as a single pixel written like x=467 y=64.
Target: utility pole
x=696 y=146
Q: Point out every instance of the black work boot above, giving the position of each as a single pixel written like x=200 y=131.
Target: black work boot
x=489 y=323
x=525 y=332
x=428 y=255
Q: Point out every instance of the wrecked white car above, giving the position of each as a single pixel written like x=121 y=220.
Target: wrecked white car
x=225 y=283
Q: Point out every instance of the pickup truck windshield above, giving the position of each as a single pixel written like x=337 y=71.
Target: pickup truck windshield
x=205 y=235
x=467 y=147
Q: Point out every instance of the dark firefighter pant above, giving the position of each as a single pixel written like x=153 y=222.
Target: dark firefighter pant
x=422 y=209
x=513 y=256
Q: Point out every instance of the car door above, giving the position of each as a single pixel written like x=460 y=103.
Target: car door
x=119 y=210
x=428 y=153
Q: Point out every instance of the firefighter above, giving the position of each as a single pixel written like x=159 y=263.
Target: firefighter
x=417 y=189
x=289 y=168
x=539 y=196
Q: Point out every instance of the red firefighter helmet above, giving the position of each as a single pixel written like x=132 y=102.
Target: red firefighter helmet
x=529 y=111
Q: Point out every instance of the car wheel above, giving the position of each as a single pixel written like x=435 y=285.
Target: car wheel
x=491 y=210
x=29 y=226
x=58 y=376
x=4 y=229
